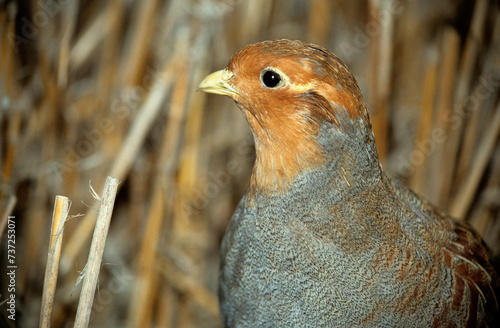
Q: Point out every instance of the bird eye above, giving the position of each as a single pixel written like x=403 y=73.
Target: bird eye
x=270 y=78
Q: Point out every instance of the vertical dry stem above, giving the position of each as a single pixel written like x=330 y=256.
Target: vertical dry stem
x=61 y=210
x=96 y=252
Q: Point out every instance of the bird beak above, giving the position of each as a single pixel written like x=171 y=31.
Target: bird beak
x=218 y=83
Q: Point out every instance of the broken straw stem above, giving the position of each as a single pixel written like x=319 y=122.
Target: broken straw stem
x=61 y=210
x=96 y=251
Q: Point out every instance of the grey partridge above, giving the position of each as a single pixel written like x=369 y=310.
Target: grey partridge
x=323 y=237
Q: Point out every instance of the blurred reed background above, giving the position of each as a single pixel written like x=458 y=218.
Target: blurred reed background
x=92 y=89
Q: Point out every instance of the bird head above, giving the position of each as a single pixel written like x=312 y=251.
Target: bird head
x=290 y=92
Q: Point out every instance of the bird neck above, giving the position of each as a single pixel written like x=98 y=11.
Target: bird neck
x=333 y=156
x=283 y=151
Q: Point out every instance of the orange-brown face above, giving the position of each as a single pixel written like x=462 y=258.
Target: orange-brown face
x=287 y=90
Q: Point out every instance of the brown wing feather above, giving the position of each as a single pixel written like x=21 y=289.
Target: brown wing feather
x=467 y=256
x=474 y=277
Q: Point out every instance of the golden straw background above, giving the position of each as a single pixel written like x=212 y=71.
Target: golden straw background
x=91 y=89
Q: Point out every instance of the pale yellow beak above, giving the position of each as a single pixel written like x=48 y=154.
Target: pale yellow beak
x=218 y=83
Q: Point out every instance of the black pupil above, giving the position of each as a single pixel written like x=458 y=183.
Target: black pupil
x=271 y=79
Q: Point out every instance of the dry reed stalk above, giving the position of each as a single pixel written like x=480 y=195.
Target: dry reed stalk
x=380 y=71
x=114 y=13
x=143 y=292
x=93 y=266
x=167 y=302
x=69 y=18
x=4 y=48
x=424 y=130
x=384 y=86
x=110 y=79
x=87 y=44
x=372 y=78
x=7 y=85
x=7 y=64
x=7 y=156
x=189 y=161
x=190 y=165
x=180 y=311
x=462 y=201
x=256 y=15
x=140 y=189
x=140 y=127
x=140 y=306
x=471 y=49
x=490 y=200
x=139 y=45
x=319 y=21
x=464 y=80
x=59 y=217
x=439 y=181
x=473 y=133
x=468 y=145
x=481 y=214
